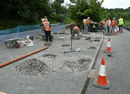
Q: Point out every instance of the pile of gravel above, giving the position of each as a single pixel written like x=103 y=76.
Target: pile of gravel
x=77 y=66
x=32 y=67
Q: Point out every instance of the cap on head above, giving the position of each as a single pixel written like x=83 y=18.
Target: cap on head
x=113 y=17
x=88 y=18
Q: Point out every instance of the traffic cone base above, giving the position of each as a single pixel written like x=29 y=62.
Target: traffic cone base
x=102 y=81
x=102 y=86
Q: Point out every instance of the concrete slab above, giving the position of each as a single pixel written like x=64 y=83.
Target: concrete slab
x=60 y=78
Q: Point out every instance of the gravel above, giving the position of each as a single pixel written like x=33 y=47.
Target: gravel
x=32 y=67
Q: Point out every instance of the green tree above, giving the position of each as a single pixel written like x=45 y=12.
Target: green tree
x=83 y=9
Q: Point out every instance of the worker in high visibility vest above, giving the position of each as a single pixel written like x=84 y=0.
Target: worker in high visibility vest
x=87 y=24
x=76 y=30
x=43 y=20
x=108 y=23
x=113 y=25
x=47 y=28
x=120 y=24
x=103 y=25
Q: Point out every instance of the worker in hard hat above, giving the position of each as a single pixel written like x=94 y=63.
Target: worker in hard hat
x=87 y=24
x=108 y=23
x=113 y=25
x=120 y=24
x=47 y=28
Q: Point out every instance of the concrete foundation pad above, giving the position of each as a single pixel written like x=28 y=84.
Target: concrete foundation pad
x=100 y=86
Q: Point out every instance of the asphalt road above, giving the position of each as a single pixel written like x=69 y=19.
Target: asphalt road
x=117 y=66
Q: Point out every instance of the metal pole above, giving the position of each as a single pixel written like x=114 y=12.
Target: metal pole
x=18 y=32
x=71 y=42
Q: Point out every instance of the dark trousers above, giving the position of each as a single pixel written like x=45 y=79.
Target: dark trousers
x=48 y=34
x=120 y=28
x=107 y=29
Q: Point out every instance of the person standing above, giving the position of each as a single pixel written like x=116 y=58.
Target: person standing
x=120 y=24
x=113 y=25
x=85 y=26
x=87 y=23
x=108 y=25
x=47 y=28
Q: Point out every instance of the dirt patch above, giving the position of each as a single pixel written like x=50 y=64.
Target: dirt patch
x=77 y=66
x=92 y=47
x=88 y=38
x=49 y=55
x=32 y=67
x=66 y=45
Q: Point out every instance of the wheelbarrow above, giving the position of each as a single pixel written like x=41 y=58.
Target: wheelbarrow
x=12 y=43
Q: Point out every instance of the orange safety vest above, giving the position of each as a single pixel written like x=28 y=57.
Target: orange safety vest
x=102 y=23
x=113 y=22
x=108 y=22
x=46 y=26
x=87 y=21
x=77 y=27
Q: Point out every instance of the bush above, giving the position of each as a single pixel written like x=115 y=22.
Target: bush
x=60 y=17
x=68 y=20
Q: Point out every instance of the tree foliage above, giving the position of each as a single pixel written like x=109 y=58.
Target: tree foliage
x=84 y=9
x=124 y=13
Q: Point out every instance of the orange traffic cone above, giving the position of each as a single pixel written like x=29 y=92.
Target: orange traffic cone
x=102 y=81
x=118 y=29
x=115 y=31
x=108 y=49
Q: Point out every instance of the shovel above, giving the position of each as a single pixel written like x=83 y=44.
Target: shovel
x=77 y=50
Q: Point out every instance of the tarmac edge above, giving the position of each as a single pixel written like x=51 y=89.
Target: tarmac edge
x=87 y=79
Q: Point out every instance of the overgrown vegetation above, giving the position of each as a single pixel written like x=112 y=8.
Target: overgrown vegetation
x=28 y=12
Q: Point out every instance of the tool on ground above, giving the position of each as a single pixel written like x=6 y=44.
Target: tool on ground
x=61 y=38
x=102 y=81
x=77 y=50
x=71 y=41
